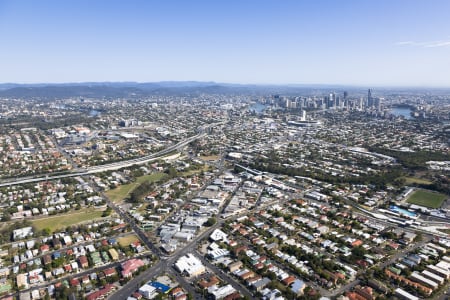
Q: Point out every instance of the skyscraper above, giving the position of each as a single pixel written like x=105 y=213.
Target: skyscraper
x=369 y=98
x=331 y=100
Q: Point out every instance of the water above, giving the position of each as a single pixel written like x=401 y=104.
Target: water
x=402 y=211
x=258 y=108
x=401 y=111
x=94 y=113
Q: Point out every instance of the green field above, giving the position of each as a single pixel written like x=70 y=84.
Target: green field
x=65 y=220
x=205 y=168
x=121 y=192
x=5 y=287
x=125 y=241
x=410 y=180
x=426 y=198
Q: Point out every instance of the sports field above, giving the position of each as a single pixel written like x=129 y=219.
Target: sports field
x=427 y=198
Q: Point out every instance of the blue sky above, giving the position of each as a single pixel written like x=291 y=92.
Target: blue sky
x=349 y=42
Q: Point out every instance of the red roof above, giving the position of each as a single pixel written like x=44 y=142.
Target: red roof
x=394 y=245
x=83 y=261
x=95 y=295
x=259 y=266
x=120 y=226
x=357 y=243
x=354 y=296
x=45 y=248
x=110 y=272
x=74 y=282
x=233 y=296
x=289 y=280
x=176 y=290
x=130 y=266
x=135 y=244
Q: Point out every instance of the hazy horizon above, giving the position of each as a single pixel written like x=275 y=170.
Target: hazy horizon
x=180 y=82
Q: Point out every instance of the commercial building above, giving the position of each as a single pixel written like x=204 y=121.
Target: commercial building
x=190 y=265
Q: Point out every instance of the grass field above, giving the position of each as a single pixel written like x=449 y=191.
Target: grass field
x=410 y=180
x=5 y=287
x=62 y=221
x=426 y=198
x=121 y=192
x=125 y=241
x=446 y=230
x=205 y=168
x=210 y=157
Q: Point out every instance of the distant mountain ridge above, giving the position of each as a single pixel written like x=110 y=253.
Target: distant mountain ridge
x=112 y=89
x=138 y=89
x=131 y=89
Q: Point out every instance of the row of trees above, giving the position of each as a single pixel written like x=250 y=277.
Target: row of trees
x=389 y=176
x=412 y=160
x=139 y=192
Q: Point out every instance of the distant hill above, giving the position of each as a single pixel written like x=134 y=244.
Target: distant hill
x=69 y=91
x=119 y=89
x=191 y=88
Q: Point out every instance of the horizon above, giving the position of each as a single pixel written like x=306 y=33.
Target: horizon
x=204 y=83
x=381 y=44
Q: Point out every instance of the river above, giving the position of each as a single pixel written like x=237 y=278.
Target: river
x=258 y=107
x=401 y=111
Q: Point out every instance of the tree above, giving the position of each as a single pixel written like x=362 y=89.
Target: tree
x=358 y=252
x=107 y=212
x=46 y=231
x=419 y=237
x=210 y=222
x=172 y=172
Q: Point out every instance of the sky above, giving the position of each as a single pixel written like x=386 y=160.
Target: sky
x=348 y=42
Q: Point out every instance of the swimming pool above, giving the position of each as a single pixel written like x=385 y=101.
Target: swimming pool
x=402 y=211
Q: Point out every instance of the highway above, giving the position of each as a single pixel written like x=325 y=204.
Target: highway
x=165 y=263
x=106 y=167
x=201 y=132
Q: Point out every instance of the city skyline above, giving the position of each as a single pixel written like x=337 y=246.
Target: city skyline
x=399 y=43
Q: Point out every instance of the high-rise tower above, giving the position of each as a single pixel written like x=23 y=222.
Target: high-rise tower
x=369 y=98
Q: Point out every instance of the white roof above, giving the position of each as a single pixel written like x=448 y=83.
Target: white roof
x=218 y=235
x=189 y=264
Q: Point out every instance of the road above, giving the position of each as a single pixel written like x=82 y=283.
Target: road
x=201 y=132
x=163 y=266
x=106 y=167
x=225 y=277
x=63 y=249
x=68 y=277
